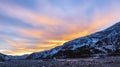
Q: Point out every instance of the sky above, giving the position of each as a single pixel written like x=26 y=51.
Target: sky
x=28 y=26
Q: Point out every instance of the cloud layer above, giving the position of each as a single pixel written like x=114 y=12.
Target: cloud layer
x=36 y=25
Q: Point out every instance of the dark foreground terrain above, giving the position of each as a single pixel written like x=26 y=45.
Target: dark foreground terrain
x=86 y=62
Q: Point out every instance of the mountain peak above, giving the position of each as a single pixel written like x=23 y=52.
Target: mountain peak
x=116 y=26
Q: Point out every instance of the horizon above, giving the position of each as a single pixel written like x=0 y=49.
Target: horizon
x=37 y=25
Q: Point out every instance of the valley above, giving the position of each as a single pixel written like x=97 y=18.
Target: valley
x=78 y=62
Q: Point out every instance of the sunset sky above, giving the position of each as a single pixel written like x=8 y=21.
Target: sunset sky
x=28 y=26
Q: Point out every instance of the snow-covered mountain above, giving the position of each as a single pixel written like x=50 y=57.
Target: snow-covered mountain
x=18 y=57
x=106 y=42
x=3 y=57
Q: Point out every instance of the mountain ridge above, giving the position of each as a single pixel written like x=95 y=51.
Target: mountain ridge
x=105 y=42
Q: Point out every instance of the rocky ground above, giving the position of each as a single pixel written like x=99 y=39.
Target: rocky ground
x=78 y=62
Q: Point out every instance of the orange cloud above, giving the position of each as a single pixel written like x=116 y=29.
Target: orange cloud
x=20 y=51
x=17 y=44
x=28 y=16
x=12 y=43
x=31 y=33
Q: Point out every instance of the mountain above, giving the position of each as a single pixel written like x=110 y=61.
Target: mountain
x=3 y=57
x=102 y=43
x=18 y=57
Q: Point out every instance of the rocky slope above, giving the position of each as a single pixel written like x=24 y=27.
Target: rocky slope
x=106 y=42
